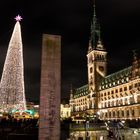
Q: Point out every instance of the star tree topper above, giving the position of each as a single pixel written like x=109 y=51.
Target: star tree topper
x=18 y=18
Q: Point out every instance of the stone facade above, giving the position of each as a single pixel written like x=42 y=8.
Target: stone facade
x=130 y=134
x=65 y=111
x=108 y=97
x=49 y=114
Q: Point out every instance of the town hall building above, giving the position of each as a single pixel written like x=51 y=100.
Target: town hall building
x=109 y=97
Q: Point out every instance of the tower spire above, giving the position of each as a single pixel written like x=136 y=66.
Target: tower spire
x=93 y=28
x=12 y=94
x=95 y=35
x=99 y=45
x=96 y=61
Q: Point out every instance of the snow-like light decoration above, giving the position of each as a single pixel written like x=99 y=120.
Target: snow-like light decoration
x=12 y=94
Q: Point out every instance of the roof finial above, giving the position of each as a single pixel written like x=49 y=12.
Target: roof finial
x=135 y=65
x=18 y=18
x=93 y=27
x=71 y=91
x=71 y=88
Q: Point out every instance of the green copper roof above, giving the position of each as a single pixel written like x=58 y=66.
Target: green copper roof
x=112 y=80
x=81 y=91
x=116 y=78
x=95 y=34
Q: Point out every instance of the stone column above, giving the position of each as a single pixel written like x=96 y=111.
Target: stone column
x=49 y=120
x=125 y=113
x=130 y=113
x=120 y=113
x=136 y=110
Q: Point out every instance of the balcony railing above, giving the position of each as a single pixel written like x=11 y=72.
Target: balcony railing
x=87 y=127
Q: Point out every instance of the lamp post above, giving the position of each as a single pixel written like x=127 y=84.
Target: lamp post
x=86 y=126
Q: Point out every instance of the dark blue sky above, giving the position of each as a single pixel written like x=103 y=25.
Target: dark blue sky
x=120 y=31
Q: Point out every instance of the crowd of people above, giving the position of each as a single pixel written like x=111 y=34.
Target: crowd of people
x=15 y=129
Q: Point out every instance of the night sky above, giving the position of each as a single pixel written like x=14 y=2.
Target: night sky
x=120 y=33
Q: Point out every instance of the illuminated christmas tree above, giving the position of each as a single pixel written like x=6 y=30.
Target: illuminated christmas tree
x=12 y=94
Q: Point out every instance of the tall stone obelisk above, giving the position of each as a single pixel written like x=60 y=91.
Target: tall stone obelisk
x=49 y=120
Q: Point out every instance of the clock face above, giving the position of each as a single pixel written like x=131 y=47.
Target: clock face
x=101 y=68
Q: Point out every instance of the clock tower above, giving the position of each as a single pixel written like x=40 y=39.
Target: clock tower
x=96 y=63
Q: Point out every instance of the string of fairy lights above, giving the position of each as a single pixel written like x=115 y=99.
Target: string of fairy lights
x=12 y=93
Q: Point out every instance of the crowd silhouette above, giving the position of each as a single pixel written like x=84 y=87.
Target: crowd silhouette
x=18 y=129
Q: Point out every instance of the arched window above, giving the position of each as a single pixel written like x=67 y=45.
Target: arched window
x=113 y=113
x=122 y=113
x=118 y=114
x=133 y=113
x=121 y=102
x=127 y=112
x=126 y=101
x=91 y=69
x=105 y=104
x=110 y=114
x=112 y=103
x=108 y=103
x=117 y=103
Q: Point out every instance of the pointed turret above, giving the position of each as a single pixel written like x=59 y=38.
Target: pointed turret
x=71 y=92
x=135 y=72
x=12 y=94
x=93 y=29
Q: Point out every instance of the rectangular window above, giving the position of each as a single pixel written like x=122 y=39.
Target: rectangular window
x=91 y=69
x=130 y=87
x=125 y=88
x=120 y=89
x=136 y=84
